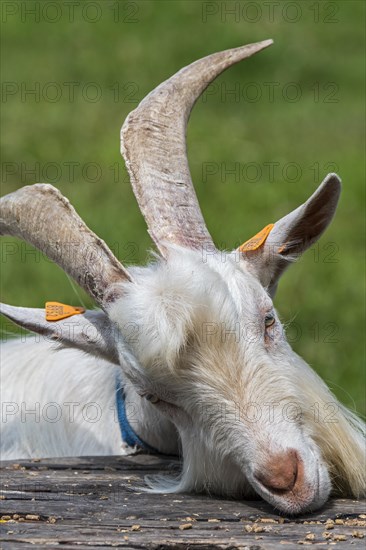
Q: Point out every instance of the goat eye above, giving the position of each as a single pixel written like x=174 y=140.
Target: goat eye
x=269 y=320
x=152 y=398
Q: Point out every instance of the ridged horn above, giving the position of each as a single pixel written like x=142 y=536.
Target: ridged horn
x=42 y=216
x=153 y=144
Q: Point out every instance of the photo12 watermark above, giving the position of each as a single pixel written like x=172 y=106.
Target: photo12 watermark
x=70 y=11
x=69 y=92
x=270 y=12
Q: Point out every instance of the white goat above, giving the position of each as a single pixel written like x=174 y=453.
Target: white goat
x=187 y=355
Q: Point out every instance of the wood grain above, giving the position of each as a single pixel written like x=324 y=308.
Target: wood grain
x=95 y=502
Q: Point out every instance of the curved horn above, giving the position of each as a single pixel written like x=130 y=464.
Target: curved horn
x=40 y=215
x=153 y=144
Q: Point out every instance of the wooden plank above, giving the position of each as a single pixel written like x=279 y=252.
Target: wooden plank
x=96 y=503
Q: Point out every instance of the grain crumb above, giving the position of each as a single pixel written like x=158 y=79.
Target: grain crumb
x=281 y=520
x=32 y=517
x=255 y=528
x=310 y=536
x=213 y=520
x=339 y=537
x=135 y=527
x=185 y=526
x=358 y=534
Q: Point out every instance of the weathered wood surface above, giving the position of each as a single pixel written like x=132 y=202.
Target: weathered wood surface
x=89 y=503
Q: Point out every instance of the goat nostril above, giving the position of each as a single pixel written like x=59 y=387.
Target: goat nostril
x=280 y=472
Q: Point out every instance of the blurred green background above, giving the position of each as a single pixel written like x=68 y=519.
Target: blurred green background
x=259 y=142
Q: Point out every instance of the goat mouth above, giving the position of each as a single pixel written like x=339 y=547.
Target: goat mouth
x=291 y=502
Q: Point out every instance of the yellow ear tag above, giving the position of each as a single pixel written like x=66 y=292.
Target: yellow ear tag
x=56 y=311
x=258 y=240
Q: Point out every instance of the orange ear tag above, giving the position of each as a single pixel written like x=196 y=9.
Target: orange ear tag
x=56 y=311
x=258 y=240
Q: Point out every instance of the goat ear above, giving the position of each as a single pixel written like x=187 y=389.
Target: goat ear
x=91 y=332
x=272 y=251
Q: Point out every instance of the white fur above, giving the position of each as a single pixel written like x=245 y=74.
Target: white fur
x=197 y=341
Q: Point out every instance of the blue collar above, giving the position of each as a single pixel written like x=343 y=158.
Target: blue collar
x=129 y=436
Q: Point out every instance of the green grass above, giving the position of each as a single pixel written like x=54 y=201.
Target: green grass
x=322 y=293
